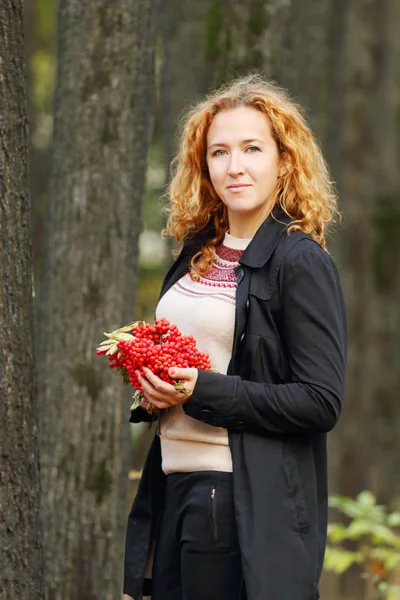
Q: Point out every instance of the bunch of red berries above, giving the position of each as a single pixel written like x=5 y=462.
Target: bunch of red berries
x=157 y=347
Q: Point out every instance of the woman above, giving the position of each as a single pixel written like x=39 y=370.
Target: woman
x=234 y=489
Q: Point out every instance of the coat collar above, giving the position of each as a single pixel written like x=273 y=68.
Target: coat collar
x=261 y=246
x=266 y=239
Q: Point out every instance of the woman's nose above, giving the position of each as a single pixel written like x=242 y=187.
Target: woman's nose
x=235 y=166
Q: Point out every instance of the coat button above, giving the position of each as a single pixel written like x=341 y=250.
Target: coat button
x=247 y=303
x=239 y=425
x=242 y=337
x=205 y=414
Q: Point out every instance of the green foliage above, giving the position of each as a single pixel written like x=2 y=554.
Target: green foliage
x=43 y=58
x=42 y=65
x=46 y=17
x=370 y=538
x=43 y=75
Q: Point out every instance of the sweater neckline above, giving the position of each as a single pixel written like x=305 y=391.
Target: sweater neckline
x=235 y=243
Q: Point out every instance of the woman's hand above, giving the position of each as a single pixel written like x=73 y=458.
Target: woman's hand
x=162 y=394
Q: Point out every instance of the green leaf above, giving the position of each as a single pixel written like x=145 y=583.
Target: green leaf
x=358 y=528
x=381 y=533
x=346 y=505
x=366 y=499
x=124 y=374
x=105 y=342
x=112 y=349
x=389 y=557
x=123 y=337
x=394 y=592
x=338 y=560
x=339 y=501
x=393 y=519
x=180 y=387
x=137 y=397
x=336 y=532
x=108 y=335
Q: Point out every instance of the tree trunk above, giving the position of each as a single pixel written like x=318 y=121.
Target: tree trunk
x=21 y=556
x=182 y=80
x=102 y=128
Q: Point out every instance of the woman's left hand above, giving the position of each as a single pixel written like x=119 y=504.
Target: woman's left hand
x=164 y=395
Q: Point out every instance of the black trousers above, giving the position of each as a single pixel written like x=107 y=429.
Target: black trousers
x=197 y=554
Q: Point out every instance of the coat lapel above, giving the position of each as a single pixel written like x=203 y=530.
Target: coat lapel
x=266 y=239
x=243 y=276
x=177 y=270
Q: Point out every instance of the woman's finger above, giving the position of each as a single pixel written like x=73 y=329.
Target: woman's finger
x=161 y=393
x=185 y=374
x=158 y=384
x=159 y=403
x=148 y=388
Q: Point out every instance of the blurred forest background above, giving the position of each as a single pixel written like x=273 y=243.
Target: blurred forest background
x=107 y=85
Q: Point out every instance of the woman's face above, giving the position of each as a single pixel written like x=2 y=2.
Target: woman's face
x=243 y=162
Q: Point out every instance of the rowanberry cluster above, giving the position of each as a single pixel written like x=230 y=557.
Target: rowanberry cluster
x=157 y=347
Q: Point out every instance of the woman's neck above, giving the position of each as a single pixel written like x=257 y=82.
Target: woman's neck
x=245 y=225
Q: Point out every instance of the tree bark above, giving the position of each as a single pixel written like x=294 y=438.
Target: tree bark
x=102 y=128
x=21 y=556
x=182 y=80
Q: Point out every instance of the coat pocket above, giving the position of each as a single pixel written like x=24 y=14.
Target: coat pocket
x=296 y=492
x=213 y=512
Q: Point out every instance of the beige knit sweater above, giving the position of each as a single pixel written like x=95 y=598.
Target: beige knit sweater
x=204 y=309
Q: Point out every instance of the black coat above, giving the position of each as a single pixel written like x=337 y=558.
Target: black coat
x=283 y=391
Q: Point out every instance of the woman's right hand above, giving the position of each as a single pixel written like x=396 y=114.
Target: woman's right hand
x=144 y=403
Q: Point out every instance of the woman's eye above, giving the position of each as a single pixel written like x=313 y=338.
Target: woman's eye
x=253 y=149
x=219 y=152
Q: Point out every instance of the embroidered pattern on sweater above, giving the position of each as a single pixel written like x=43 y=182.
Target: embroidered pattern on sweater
x=220 y=282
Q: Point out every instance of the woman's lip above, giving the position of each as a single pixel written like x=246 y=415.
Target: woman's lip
x=237 y=186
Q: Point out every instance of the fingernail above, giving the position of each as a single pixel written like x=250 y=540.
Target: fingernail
x=172 y=371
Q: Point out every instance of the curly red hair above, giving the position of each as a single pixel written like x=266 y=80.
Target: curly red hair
x=305 y=192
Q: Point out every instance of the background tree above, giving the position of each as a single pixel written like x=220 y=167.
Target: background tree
x=21 y=557
x=102 y=127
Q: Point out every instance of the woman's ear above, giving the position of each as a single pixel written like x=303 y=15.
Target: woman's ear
x=284 y=166
x=283 y=171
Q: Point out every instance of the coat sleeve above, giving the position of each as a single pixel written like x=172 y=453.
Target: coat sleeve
x=140 y=415
x=315 y=340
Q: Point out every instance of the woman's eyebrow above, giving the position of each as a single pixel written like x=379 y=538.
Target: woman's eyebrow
x=242 y=142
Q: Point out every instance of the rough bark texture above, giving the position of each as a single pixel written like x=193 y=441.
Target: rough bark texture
x=102 y=128
x=21 y=557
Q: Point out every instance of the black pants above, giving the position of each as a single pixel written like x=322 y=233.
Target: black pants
x=197 y=553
